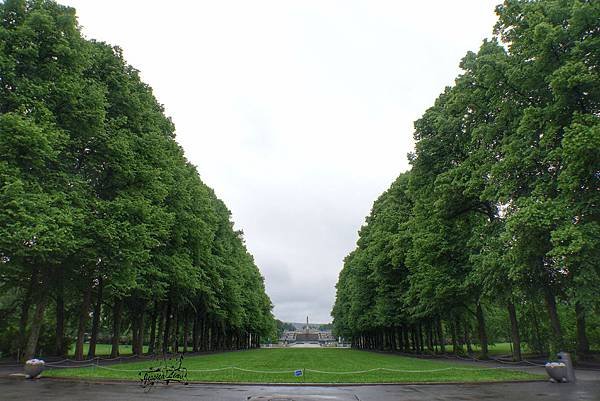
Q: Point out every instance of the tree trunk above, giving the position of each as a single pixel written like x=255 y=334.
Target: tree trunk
x=204 y=340
x=539 y=342
x=175 y=346
x=134 y=333
x=214 y=337
x=152 y=340
x=60 y=322
x=96 y=320
x=83 y=316
x=167 y=331
x=405 y=333
x=36 y=324
x=467 y=339
x=514 y=331
x=415 y=339
x=117 y=311
x=25 y=306
x=186 y=328
x=430 y=336
x=454 y=329
x=441 y=338
x=483 y=340
x=195 y=333
x=398 y=336
x=161 y=327
x=554 y=320
x=139 y=348
x=583 y=345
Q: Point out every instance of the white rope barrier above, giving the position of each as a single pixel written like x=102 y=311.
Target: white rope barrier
x=492 y=359
x=508 y=362
x=116 y=370
x=55 y=362
x=205 y=370
x=414 y=371
x=69 y=360
x=343 y=373
x=95 y=362
x=515 y=363
x=470 y=359
x=72 y=367
x=97 y=358
x=208 y=370
x=264 y=371
x=309 y=370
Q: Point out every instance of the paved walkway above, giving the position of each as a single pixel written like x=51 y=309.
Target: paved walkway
x=43 y=390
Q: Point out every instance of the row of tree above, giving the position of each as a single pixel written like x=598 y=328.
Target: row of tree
x=282 y=327
x=106 y=231
x=494 y=232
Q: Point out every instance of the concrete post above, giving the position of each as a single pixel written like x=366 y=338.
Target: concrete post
x=565 y=358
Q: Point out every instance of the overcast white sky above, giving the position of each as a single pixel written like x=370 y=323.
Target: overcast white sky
x=298 y=113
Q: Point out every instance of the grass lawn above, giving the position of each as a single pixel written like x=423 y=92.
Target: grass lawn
x=503 y=349
x=271 y=362
x=125 y=349
x=495 y=349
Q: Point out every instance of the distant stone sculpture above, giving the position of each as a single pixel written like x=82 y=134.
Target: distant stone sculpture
x=307 y=336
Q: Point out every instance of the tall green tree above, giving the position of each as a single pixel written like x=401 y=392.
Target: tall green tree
x=500 y=209
x=101 y=213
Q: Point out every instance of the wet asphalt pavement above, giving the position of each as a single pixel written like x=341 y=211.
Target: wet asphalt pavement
x=45 y=389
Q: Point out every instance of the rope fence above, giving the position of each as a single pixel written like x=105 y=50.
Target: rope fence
x=71 y=366
x=471 y=359
x=227 y=368
x=97 y=358
x=98 y=362
x=83 y=361
x=95 y=361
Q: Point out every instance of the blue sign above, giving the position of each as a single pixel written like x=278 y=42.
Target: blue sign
x=298 y=373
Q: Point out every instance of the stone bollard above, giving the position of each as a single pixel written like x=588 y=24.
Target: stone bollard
x=565 y=358
x=33 y=368
x=562 y=370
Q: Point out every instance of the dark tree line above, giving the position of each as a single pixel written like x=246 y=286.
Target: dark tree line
x=106 y=230
x=283 y=326
x=494 y=233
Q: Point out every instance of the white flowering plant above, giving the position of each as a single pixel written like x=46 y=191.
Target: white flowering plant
x=557 y=372
x=34 y=367
x=555 y=365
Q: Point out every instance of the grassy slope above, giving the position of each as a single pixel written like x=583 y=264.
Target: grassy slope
x=289 y=359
